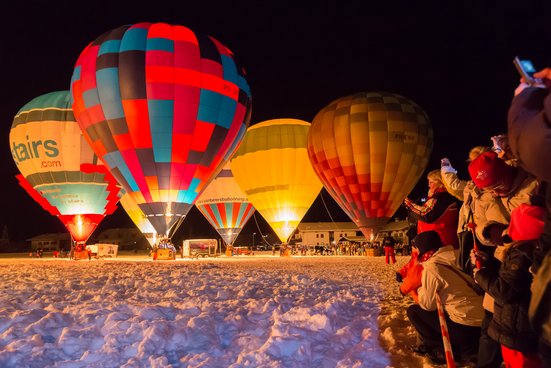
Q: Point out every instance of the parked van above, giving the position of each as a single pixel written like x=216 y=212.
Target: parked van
x=196 y=248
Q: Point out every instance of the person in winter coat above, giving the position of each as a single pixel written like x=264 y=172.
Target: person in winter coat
x=440 y=211
x=388 y=245
x=410 y=274
x=529 y=132
x=509 y=284
x=462 y=304
x=510 y=187
x=469 y=194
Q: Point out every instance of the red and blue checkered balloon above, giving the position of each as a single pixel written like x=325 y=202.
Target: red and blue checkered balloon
x=164 y=108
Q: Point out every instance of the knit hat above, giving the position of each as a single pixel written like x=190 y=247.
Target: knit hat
x=427 y=241
x=488 y=170
x=526 y=222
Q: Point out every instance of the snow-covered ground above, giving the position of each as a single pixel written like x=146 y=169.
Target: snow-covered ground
x=217 y=312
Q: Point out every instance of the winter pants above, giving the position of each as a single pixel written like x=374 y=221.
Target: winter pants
x=464 y=339
x=516 y=359
x=545 y=354
x=489 y=351
x=389 y=253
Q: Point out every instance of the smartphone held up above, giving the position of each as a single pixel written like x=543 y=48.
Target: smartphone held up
x=526 y=70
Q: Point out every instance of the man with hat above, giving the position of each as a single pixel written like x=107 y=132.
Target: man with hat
x=459 y=296
x=510 y=187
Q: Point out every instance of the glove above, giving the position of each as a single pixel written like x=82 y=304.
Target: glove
x=497 y=141
x=446 y=166
x=478 y=258
x=399 y=277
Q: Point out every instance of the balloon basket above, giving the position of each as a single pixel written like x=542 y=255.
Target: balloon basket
x=372 y=252
x=229 y=252
x=164 y=255
x=78 y=255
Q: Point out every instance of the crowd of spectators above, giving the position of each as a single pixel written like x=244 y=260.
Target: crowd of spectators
x=482 y=249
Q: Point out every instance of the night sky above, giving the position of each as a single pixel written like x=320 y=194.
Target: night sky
x=455 y=61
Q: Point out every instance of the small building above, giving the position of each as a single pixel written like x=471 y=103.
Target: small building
x=324 y=233
x=51 y=241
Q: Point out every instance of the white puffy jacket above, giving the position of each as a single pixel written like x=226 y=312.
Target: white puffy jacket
x=460 y=300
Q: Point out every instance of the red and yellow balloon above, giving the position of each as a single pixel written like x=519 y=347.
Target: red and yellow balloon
x=369 y=150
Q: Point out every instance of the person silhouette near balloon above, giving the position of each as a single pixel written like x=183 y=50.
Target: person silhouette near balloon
x=388 y=245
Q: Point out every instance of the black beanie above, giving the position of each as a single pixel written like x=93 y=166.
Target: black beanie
x=427 y=241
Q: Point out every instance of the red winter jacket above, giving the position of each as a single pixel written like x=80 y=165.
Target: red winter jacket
x=439 y=213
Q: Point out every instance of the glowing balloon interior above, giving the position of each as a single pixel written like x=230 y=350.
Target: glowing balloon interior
x=225 y=205
x=273 y=169
x=138 y=218
x=163 y=107
x=58 y=167
x=369 y=150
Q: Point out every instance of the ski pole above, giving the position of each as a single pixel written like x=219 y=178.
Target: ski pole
x=445 y=335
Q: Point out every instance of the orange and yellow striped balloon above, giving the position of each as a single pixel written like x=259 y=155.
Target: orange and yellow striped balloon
x=369 y=150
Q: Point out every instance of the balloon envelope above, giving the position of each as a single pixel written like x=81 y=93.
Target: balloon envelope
x=369 y=150
x=225 y=205
x=163 y=107
x=273 y=169
x=58 y=167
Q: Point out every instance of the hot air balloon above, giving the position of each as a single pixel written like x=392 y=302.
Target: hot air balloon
x=273 y=169
x=225 y=205
x=369 y=150
x=138 y=218
x=58 y=167
x=164 y=108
